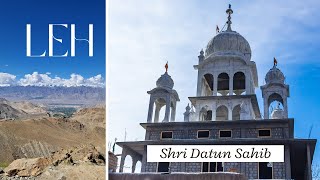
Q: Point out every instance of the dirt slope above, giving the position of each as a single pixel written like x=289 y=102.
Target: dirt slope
x=39 y=137
x=91 y=117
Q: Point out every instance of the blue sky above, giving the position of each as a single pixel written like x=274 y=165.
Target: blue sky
x=145 y=34
x=15 y=14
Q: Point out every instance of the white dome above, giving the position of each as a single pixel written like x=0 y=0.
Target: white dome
x=229 y=43
x=274 y=76
x=165 y=81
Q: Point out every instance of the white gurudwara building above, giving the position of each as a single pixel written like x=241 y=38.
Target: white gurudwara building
x=224 y=111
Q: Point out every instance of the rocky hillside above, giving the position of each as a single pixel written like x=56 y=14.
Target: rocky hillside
x=36 y=137
x=91 y=117
x=18 y=110
x=24 y=106
x=8 y=112
x=84 y=162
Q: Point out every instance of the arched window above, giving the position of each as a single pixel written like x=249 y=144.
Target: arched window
x=236 y=112
x=223 y=84
x=239 y=83
x=138 y=167
x=207 y=85
x=275 y=97
x=274 y=101
x=205 y=114
x=209 y=115
x=222 y=113
x=127 y=168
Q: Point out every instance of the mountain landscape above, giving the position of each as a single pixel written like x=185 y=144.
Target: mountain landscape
x=37 y=123
x=55 y=95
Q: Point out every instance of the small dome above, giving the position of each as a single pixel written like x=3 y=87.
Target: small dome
x=165 y=81
x=229 y=43
x=274 y=76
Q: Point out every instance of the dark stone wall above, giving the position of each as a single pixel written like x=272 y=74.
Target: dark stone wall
x=177 y=176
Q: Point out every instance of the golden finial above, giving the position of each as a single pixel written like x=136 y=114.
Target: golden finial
x=166 y=66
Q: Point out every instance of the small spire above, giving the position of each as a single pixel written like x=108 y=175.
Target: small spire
x=217 y=29
x=275 y=62
x=166 y=66
x=229 y=11
x=201 y=56
x=201 y=52
x=188 y=108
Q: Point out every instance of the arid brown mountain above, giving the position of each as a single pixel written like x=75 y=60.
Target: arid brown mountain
x=24 y=106
x=8 y=112
x=91 y=117
x=18 y=110
x=36 y=137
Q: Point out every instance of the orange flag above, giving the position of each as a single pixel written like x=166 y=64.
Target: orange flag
x=166 y=66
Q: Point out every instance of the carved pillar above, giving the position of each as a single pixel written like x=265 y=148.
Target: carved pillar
x=229 y=111
x=197 y=113
x=215 y=84
x=156 y=113
x=285 y=107
x=230 y=84
x=134 y=163
x=173 y=113
x=199 y=84
x=123 y=157
x=214 y=112
x=150 y=111
x=144 y=160
x=266 y=108
x=247 y=83
x=167 y=112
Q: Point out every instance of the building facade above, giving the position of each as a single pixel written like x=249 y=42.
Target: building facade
x=225 y=111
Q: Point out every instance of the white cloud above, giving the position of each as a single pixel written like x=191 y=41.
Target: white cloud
x=95 y=81
x=38 y=79
x=7 y=79
x=35 y=79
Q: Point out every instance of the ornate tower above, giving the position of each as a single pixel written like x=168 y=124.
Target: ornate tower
x=226 y=79
x=275 y=89
x=163 y=95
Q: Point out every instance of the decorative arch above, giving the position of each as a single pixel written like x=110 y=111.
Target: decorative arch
x=239 y=83
x=207 y=85
x=275 y=100
x=223 y=84
x=128 y=162
x=205 y=114
x=222 y=113
x=275 y=97
x=236 y=112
